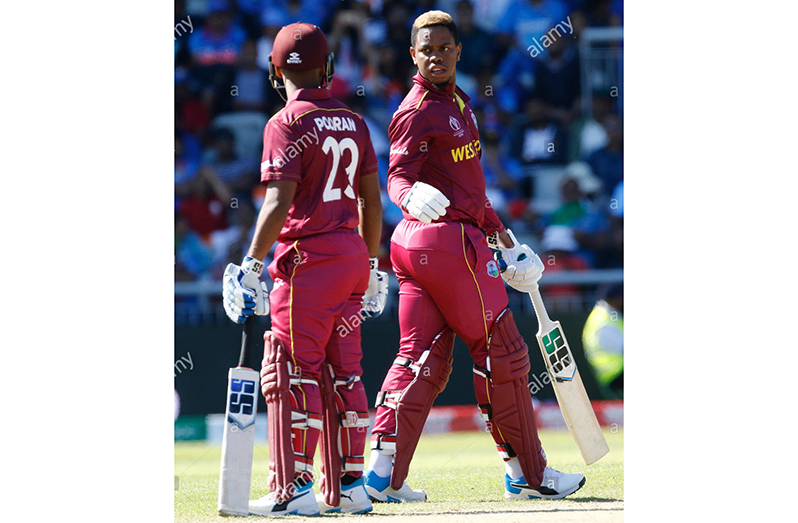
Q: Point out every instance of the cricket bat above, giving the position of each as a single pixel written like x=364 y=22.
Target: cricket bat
x=238 y=440
x=568 y=386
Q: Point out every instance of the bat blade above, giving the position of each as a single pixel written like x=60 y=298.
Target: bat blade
x=238 y=442
x=569 y=389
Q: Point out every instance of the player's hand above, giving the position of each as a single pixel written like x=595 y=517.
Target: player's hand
x=243 y=292
x=377 y=294
x=521 y=268
x=425 y=203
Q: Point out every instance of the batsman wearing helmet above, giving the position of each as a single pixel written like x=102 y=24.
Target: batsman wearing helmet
x=320 y=173
x=449 y=284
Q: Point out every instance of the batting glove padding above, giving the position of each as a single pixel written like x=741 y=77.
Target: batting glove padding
x=425 y=202
x=243 y=292
x=521 y=268
x=377 y=294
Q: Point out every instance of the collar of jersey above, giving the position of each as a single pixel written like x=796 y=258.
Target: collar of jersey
x=319 y=93
x=446 y=93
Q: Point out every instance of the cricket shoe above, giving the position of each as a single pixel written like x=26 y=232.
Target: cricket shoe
x=303 y=503
x=354 y=499
x=379 y=489
x=555 y=485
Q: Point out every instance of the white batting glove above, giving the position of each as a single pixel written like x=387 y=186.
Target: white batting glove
x=377 y=294
x=243 y=292
x=425 y=203
x=521 y=268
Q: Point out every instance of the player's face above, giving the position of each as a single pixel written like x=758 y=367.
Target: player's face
x=435 y=54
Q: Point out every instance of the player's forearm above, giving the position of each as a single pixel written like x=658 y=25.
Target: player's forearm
x=371 y=226
x=370 y=213
x=271 y=218
x=505 y=240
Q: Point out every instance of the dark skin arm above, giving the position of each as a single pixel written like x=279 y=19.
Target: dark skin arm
x=369 y=210
x=279 y=197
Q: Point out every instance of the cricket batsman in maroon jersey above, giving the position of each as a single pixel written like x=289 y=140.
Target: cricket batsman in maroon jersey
x=449 y=284
x=319 y=169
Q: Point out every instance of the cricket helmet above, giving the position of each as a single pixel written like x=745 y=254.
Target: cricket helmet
x=299 y=47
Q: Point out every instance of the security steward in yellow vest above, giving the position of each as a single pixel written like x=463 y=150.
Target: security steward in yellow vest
x=602 y=339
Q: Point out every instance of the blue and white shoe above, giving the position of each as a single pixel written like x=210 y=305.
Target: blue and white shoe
x=303 y=503
x=354 y=499
x=379 y=489
x=555 y=485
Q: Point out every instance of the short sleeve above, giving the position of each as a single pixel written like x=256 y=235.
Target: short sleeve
x=275 y=164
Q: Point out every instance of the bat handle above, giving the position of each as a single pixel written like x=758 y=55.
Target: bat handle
x=540 y=308
x=245 y=359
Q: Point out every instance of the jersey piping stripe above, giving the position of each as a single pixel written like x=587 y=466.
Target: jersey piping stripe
x=422 y=99
x=323 y=109
x=484 y=320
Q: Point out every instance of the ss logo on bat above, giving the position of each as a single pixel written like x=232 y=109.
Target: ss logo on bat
x=242 y=399
x=559 y=354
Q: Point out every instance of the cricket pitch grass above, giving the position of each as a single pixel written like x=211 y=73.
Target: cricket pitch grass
x=461 y=473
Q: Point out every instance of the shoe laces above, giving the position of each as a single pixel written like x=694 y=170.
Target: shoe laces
x=552 y=472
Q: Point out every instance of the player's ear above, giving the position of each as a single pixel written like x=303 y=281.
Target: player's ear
x=413 y=54
x=459 y=50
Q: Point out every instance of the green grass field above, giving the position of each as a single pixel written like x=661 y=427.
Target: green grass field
x=461 y=473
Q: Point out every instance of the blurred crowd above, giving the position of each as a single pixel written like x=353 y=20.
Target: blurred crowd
x=553 y=167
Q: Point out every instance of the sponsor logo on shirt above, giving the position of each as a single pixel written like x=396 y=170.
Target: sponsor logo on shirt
x=474 y=117
x=402 y=151
x=493 y=270
x=466 y=152
x=294 y=58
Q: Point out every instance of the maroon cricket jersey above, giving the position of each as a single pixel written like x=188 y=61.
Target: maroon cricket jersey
x=325 y=147
x=435 y=140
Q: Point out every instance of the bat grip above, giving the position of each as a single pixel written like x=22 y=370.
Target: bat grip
x=245 y=359
x=540 y=308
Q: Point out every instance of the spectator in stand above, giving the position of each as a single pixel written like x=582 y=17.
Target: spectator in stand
x=536 y=139
x=191 y=113
x=193 y=256
x=557 y=80
x=237 y=175
x=587 y=133
x=479 y=52
x=589 y=225
x=560 y=254
x=218 y=41
x=251 y=81
x=233 y=241
x=187 y=158
x=214 y=49
x=285 y=12
x=201 y=206
x=607 y=163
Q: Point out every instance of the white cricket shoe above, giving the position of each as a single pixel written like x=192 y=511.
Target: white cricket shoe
x=379 y=489
x=555 y=485
x=354 y=499
x=303 y=503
